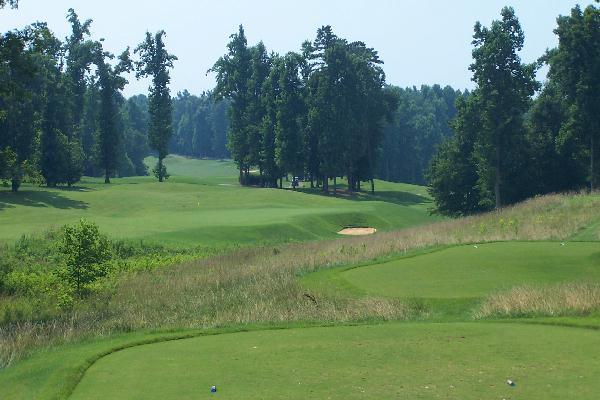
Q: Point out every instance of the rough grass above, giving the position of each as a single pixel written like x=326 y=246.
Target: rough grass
x=565 y=299
x=261 y=284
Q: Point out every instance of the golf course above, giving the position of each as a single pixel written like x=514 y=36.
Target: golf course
x=299 y=200
x=417 y=321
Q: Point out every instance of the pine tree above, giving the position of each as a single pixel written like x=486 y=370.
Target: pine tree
x=109 y=137
x=233 y=75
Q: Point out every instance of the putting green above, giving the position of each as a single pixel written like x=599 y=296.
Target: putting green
x=429 y=361
x=476 y=270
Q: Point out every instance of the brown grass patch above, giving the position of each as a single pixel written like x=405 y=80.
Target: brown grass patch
x=556 y=300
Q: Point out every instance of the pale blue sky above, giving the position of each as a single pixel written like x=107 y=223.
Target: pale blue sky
x=420 y=41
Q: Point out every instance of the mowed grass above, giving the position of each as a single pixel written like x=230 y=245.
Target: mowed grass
x=411 y=360
x=202 y=205
x=471 y=271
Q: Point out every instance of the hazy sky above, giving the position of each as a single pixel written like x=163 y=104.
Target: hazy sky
x=420 y=41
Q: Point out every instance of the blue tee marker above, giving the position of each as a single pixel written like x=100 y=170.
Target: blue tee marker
x=213 y=389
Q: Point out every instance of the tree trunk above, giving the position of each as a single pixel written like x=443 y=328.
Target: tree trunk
x=592 y=154
x=335 y=185
x=372 y=186
x=160 y=169
x=325 y=187
x=15 y=184
x=280 y=183
x=350 y=183
x=241 y=176
x=106 y=176
x=498 y=179
x=358 y=185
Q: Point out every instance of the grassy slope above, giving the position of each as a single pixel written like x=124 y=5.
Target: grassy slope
x=205 y=207
x=467 y=361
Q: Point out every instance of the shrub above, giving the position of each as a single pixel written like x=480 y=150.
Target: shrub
x=86 y=253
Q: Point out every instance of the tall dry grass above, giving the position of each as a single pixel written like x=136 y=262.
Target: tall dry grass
x=566 y=299
x=260 y=285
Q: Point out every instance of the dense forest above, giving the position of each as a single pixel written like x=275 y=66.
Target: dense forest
x=316 y=113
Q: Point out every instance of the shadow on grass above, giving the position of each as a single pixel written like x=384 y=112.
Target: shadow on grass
x=395 y=197
x=42 y=198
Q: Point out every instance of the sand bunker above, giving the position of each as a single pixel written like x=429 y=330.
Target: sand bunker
x=357 y=231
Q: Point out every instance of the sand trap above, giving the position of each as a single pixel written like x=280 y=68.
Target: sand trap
x=357 y=231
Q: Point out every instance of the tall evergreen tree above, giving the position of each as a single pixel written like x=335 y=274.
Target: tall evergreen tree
x=109 y=136
x=155 y=61
x=233 y=74
x=505 y=87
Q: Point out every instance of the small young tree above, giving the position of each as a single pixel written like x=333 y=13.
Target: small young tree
x=86 y=252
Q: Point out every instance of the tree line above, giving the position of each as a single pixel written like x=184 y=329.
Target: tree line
x=62 y=113
x=200 y=126
x=317 y=113
x=509 y=145
x=417 y=127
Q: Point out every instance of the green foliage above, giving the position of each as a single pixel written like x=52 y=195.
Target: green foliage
x=200 y=126
x=452 y=175
x=86 y=254
x=412 y=136
x=574 y=66
x=504 y=89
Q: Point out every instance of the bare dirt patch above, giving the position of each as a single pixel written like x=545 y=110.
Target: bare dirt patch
x=357 y=231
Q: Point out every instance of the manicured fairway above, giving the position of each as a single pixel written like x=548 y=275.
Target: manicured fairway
x=408 y=361
x=206 y=207
x=476 y=270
